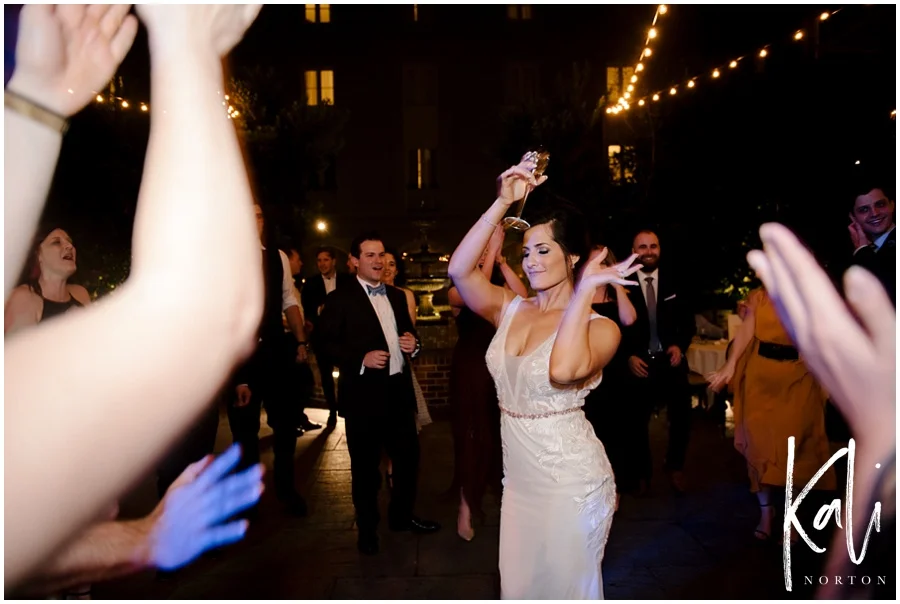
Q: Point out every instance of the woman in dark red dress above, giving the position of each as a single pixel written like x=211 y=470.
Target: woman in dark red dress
x=473 y=399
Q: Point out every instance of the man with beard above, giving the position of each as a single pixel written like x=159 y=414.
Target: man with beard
x=873 y=235
x=656 y=344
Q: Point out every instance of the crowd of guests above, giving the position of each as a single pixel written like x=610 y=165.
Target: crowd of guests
x=798 y=345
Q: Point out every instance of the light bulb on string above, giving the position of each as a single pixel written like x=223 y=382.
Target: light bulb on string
x=652 y=33
x=673 y=91
x=634 y=79
x=124 y=104
x=641 y=103
x=763 y=53
x=716 y=73
x=236 y=113
x=630 y=88
x=640 y=67
x=647 y=52
x=609 y=110
x=824 y=16
x=733 y=64
x=663 y=9
x=99 y=98
x=144 y=107
x=798 y=35
x=627 y=96
x=691 y=84
x=655 y=97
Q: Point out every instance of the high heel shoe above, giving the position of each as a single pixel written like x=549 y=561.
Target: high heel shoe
x=465 y=531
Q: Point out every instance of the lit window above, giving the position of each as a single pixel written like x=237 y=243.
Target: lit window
x=318 y=13
x=621 y=165
x=320 y=87
x=615 y=81
x=422 y=169
x=518 y=12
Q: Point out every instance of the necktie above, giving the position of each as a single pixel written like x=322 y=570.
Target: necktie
x=655 y=345
x=377 y=291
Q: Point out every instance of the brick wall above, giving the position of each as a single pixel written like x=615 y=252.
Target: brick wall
x=432 y=366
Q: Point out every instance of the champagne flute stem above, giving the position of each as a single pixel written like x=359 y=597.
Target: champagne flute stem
x=522 y=203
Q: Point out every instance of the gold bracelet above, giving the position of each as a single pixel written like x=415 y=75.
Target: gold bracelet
x=32 y=110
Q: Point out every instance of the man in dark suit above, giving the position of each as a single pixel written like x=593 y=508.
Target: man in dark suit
x=314 y=291
x=366 y=328
x=873 y=235
x=267 y=377
x=656 y=345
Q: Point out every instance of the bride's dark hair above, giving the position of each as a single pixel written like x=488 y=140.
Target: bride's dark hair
x=568 y=225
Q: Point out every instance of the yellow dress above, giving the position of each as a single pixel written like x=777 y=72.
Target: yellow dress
x=773 y=400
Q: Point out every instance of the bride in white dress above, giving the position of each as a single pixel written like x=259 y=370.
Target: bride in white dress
x=548 y=353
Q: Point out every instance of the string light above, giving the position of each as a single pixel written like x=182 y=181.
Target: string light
x=692 y=82
x=894 y=114
x=630 y=88
x=663 y=9
x=124 y=104
x=652 y=34
x=144 y=107
x=99 y=98
x=634 y=79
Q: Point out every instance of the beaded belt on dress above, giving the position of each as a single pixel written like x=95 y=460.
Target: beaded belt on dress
x=538 y=415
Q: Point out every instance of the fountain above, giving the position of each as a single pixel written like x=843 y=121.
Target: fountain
x=426 y=274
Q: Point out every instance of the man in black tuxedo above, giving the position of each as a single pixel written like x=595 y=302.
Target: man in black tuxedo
x=314 y=291
x=873 y=235
x=366 y=328
x=267 y=377
x=656 y=345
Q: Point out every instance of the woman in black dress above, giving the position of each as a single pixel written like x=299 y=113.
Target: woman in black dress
x=607 y=406
x=473 y=399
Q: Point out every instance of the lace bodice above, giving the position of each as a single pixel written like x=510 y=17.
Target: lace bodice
x=529 y=392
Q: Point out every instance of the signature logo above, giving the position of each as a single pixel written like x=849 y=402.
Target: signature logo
x=825 y=512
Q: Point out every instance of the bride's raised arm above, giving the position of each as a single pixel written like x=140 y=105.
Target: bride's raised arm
x=473 y=286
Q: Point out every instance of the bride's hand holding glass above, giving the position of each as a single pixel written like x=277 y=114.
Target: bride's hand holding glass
x=518 y=180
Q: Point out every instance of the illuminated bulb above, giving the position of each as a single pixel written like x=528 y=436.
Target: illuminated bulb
x=763 y=53
x=230 y=109
x=798 y=35
x=321 y=226
x=608 y=110
x=124 y=104
x=715 y=73
x=652 y=33
x=733 y=64
x=627 y=96
x=634 y=79
x=99 y=98
x=663 y=9
x=235 y=114
x=144 y=107
x=640 y=67
x=655 y=97
x=673 y=90
x=894 y=114
x=630 y=88
x=641 y=103
x=824 y=16
x=226 y=97
x=691 y=84
x=335 y=374
x=621 y=100
x=857 y=162
x=647 y=52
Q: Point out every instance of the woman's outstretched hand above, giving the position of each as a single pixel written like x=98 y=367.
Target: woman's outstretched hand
x=595 y=274
x=67 y=52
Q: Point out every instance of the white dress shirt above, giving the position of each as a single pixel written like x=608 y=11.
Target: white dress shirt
x=388 y=321
x=642 y=276
x=330 y=283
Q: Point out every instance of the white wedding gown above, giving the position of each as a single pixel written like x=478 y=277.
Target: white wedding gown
x=558 y=488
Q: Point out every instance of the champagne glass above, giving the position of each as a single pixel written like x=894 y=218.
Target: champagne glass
x=540 y=158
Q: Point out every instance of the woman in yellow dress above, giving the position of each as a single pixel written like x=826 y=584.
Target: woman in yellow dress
x=775 y=397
